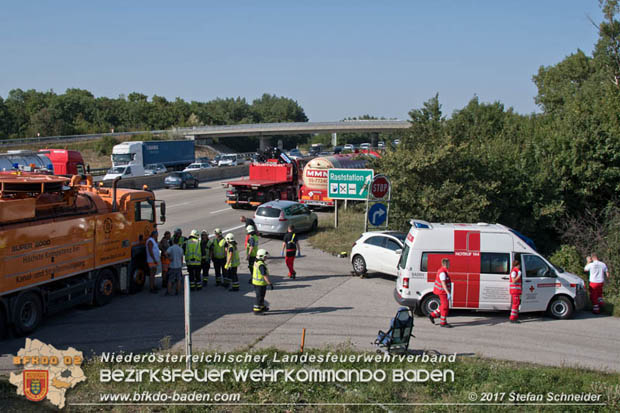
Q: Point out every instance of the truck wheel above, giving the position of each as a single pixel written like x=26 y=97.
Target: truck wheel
x=196 y=184
x=430 y=303
x=137 y=278
x=183 y=185
x=561 y=308
x=315 y=224
x=234 y=206
x=104 y=287
x=359 y=265
x=28 y=314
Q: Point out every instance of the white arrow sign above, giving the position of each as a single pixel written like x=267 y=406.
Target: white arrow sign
x=380 y=212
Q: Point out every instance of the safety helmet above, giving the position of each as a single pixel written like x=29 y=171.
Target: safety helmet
x=261 y=254
x=217 y=231
x=229 y=237
x=194 y=233
x=204 y=232
x=250 y=229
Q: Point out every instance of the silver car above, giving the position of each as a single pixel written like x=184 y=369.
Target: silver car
x=274 y=217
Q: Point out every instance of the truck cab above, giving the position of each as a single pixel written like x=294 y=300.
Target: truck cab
x=481 y=257
x=127 y=161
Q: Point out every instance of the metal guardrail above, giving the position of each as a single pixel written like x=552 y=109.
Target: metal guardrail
x=26 y=141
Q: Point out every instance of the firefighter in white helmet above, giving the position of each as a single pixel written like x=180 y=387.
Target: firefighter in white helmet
x=251 y=248
x=260 y=280
x=232 y=263
x=192 y=259
x=218 y=255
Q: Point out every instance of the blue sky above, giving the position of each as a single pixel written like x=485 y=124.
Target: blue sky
x=335 y=58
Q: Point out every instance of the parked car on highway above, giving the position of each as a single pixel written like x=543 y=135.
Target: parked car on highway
x=216 y=160
x=365 y=145
x=274 y=217
x=154 y=169
x=348 y=147
x=295 y=153
x=229 y=159
x=196 y=166
x=381 y=144
x=377 y=251
x=181 y=180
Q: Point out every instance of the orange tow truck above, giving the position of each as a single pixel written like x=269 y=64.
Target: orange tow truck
x=65 y=242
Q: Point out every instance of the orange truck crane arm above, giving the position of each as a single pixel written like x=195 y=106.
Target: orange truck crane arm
x=65 y=242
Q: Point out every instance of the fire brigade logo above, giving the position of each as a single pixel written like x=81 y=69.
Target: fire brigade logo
x=107 y=225
x=36 y=384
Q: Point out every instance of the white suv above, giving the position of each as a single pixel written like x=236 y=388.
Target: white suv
x=377 y=251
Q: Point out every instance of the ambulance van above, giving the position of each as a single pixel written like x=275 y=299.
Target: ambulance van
x=481 y=258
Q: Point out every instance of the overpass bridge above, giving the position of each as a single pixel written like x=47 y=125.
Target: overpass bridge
x=268 y=130
x=264 y=130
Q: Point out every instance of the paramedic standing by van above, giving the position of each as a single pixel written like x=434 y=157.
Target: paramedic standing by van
x=598 y=274
x=515 y=290
x=442 y=289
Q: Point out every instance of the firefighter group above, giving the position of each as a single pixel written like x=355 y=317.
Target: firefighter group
x=199 y=251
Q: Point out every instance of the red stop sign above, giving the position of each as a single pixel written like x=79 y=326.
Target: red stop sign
x=380 y=186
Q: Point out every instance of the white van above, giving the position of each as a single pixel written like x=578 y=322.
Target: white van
x=480 y=261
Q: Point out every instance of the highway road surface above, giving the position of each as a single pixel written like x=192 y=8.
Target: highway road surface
x=333 y=306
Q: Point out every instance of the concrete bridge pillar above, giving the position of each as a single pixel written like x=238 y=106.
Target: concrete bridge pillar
x=334 y=139
x=374 y=139
x=264 y=142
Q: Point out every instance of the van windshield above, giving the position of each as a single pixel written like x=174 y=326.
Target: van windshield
x=402 y=263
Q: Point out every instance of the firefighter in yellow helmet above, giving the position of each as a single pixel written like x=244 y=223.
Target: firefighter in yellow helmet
x=260 y=280
x=193 y=258
x=232 y=262
x=218 y=255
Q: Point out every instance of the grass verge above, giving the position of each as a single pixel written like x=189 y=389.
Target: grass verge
x=474 y=379
x=337 y=240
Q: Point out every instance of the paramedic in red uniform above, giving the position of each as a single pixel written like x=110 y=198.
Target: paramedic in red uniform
x=515 y=291
x=598 y=274
x=442 y=289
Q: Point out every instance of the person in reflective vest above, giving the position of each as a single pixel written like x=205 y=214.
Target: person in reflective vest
x=232 y=263
x=260 y=280
x=442 y=289
x=205 y=255
x=291 y=246
x=218 y=255
x=251 y=247
x=515 y=290
x=248 y=222
x=178 y=238
x=192 y=259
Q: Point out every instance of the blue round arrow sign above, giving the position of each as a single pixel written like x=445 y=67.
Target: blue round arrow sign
x=377 y=214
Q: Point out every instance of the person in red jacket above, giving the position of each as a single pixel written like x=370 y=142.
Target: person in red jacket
x=515 y=290
x=442 y=289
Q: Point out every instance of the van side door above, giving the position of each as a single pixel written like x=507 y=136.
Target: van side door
x=539 y=283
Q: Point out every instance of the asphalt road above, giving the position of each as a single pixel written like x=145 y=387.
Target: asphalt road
x=332 y=306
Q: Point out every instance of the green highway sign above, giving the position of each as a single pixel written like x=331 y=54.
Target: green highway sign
x=348 y=183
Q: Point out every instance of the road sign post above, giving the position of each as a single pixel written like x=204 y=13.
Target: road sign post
x=381 y=191
x=348 y=184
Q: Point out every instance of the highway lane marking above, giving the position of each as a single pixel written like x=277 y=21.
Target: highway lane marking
x=229 y=230
x=221 y=210
x=176 y=205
